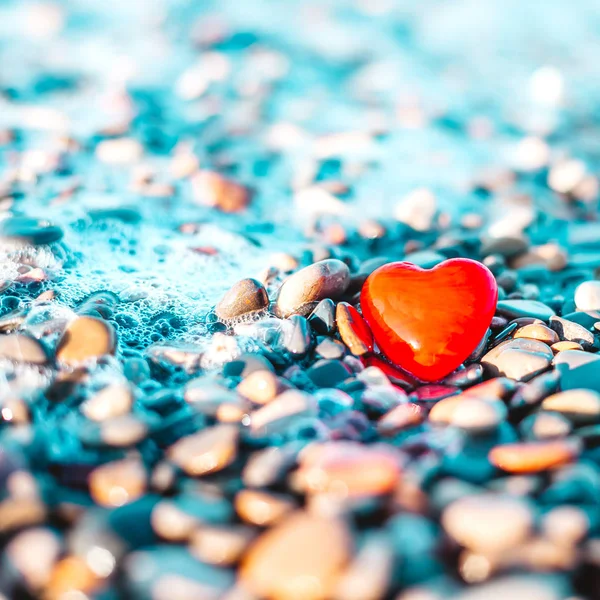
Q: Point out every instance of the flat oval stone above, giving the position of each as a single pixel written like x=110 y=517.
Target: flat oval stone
x=112 y=401
x=582 y=406
x=221 y=545
x=513 y=309
x=544 y=426
x=275 y=416
x=474 y=415
x=400 y=418
x=519 y=359
x=587 y=296
x=534 y=457
x=117 y=483
x=537 y=331
x=22 y=348
x=302 y=291
x=353 y=329
x=261 y=386
x=262 y=508
x=488 y=522
x=562 y=346
x=207 y=451
x=85 y=338
x=244 y=297
x=302 y=558
x=347 y=468
x=27 y=230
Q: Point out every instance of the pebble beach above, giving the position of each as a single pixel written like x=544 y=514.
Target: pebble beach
x=242 y=356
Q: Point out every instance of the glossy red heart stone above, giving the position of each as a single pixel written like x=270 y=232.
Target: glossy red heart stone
x=428 y=321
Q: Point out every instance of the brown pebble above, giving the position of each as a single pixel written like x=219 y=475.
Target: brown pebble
x=262 y=508
x=171 y=523
x=221 y=545
x=243 y=298
x=538 y=331
x=562 y=346
x=401 y=417
x=207 y=451
x=22 y=348
x=85 y=338
x=303 y=290
x=117 y=483
x=213 y=189
x=581 y=406
x=353 y=329
x=488 y=522
x=112 y=401
x=347 y=469
x=534 y=457
x=520 y=359
x=262 y=386
x=300 y=559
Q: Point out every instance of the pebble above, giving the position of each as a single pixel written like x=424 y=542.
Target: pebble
x=472 y=414
x=296 y=338
x=277 y=415
x=353 y=329
x=222 y=546
x=247 y=296
x=587 y=296
x=539 y=332
x=124 y=431
x=534 y=457
x=117 y=483
x=262 y=508
x=328 y=373
x=347 y=469
x=524 y=587
x=465 y=377
x=214 y=190
x=565 y=524
x=572 y=332
x=269 y=466
x=112 y=401
x=544 y=426
x=562 y=346
x=207 y=451
x=85 y=338
x=513 y=309
x=27 y=230
x=322 y=318
x=302 y=291
x=300 y=559
x=400 y=418
x=488 y=522
x=171 y=523
x=520 y=359
x=330 y=349
x=261 y=386
x=582 y=406
x=578 y=370
x=22 y=348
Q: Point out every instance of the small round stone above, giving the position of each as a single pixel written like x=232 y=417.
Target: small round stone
x=300 y=559
x=112 y=401
x=27 y=230
x=85 y=338
x=400 y=418
x=121 y=432
x=262 y=508
x=353 y=329
x=562 y=346
x=534 y=457
x=488 y=522
x=581 y=406
x=214 y=190
x=302 y=291
x=539 y=332
x=566 y=524
x=117 y=483
x=545 y=425
x=207 y=451
x=22 y=348
x=222 y=545
x=587 y=296
x=261 y=386
x=245 y=297
x=478 y=415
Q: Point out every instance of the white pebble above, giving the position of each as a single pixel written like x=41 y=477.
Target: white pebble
x=587 y=295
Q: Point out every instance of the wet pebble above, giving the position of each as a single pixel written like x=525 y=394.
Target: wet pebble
x=539 y=332
x=534 y=457
x=513 y=309
x=330 y=349
x=303 y=557
x=587 y=296
x=22 y=348
x=296 y=337
x=519 y=359
x=473 y=415
x=302 y=291
x=353 y=329
x=112 y=401
x=581 y=406
x=207 y=451
x=245 y=297
x=488 y=522
x=322 y=318
x=276 y=416
x=544 y=425
x=85 y=338
x=262 y=386
x=572 y=332
x=117 y=483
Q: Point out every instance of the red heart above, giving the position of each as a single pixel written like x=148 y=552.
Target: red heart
x=429 y=321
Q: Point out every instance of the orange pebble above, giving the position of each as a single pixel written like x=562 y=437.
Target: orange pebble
x=534 y=457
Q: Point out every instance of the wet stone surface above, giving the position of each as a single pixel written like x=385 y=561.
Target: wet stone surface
x=192 y=402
